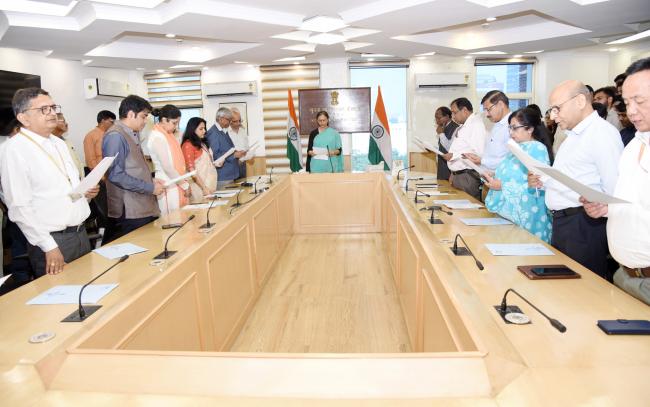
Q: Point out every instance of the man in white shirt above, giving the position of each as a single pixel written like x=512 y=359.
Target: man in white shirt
x=496 y=107
x=628 y=225
x=589 y=155
x=38 y=175
x=606 y=96
x=469 y=139
x=239 y=137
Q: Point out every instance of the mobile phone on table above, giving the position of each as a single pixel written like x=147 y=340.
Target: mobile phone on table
x=552 y=271
x=625 y=326
x=172 y=225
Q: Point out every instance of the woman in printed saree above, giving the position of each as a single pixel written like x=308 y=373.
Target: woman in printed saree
x=509 y=194
x=324 y=150
x=198 y=156
x=167 y=157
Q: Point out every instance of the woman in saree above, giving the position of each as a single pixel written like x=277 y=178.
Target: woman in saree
x=509 y=194
x=324 y=150
x=198 y=156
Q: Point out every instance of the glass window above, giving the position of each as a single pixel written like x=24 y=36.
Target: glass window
x=393 y=90
x=186 y=115
x=515 y=80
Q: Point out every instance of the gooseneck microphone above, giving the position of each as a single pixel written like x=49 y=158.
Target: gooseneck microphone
x=270 y=176
x=417 y=191
x=208 y=224
x=165 y=254
x=83 y=313
x=459 y=252
x=503 y=308
x=329 y=157
x=255 y=186
x=432 y=219
x=404 y=169
x=237 y=204
x=406 y=184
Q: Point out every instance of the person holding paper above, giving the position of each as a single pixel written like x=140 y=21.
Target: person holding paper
x=628 y=225
x=590 y=156
x=470 y=138
x=220 y=142
x=239 y=137
x=324 y=149
x=131 y=189
x=446 y=129
x=510 y=196
x=167 y=157
x=198 y=157
x=495 y=105
x=38 y=175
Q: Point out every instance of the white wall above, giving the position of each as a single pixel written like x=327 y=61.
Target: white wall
x=64 y=81
x=335 y=73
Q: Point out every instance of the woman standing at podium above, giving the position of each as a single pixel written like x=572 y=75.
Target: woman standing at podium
x=324 y=150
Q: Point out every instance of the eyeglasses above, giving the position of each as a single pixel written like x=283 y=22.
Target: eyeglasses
x=514 y=128
x=47 y=109
x=555 y=110
x=490 y=108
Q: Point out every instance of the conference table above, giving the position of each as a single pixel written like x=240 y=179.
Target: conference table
x=169 y=333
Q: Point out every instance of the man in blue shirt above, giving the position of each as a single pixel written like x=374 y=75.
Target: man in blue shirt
x=495 y=105
x=220 y=143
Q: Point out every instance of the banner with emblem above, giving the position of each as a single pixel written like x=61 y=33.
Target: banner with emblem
x=379 y=147
x=294 y=147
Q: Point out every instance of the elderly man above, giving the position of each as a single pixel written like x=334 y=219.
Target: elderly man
x=445 y=129
x=61 y=130
x=628 y=225
x=38 y=176
x=605 y=96
x=239 y=137
x=589 y=155
x=469 y=139
x=495 y=105
x=220 y=142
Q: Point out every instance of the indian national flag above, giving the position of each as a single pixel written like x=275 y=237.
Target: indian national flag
x=379 y=147
x=294 y=148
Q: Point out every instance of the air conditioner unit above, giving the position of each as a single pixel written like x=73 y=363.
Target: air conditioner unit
x=441 y=80
x=248 y=88
x=103 y=88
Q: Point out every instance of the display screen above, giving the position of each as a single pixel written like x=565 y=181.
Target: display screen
x=10 y=82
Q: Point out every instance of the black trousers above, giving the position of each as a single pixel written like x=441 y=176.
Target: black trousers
x=71 y=244
x=584 y=239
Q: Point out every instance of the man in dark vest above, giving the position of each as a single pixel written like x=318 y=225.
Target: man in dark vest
x=131 y=189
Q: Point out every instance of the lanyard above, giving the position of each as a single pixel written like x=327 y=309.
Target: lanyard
x=58 y=167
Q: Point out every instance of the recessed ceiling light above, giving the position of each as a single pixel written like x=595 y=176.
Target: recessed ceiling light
x=612 y=49
x=490 y=19
x=139 y=69
x=375 y=55
x=517 y=56
x=326 y=39
x=371 y=59
x=426 y=54
x=487 y=53
x=170 y=35
x=631 y=38
x=240 y=62
x=534 y=52
x=296 y=63
x=289 y=59
x=322 y=24
x=160 y=70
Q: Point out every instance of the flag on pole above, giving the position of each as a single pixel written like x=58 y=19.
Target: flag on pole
x=294 y=147
x=379 y=146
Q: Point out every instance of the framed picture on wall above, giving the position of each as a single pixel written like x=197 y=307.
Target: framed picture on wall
x=241 y=107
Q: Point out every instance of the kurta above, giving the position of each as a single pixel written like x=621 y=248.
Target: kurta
x=330 y=139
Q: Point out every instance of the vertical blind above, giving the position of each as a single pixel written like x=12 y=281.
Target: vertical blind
x=182 y=89
x=276 y=80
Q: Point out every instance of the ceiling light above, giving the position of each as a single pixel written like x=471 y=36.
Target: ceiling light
x=184 y=66
x=132 y=3
x=421 y=57
x=350 y=45
x=375 y=55
x=240 y=62
x=612 y=49
x=289 y=59
x=371 y=59
x=587 y=2
x=517 y=56
x=534 y=52
x=170 y=35
x=326 y=39
x=426 y=54
x=631 y=38
x=160 y=70
x=322 y=24
x=139 y=69
x=487 y=53
x=296 y=63
x=490 y=19
x=302 y=47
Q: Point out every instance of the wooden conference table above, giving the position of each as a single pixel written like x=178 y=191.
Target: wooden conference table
x=163 y=335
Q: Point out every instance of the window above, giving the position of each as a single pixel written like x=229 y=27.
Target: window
x=186 y=115
x=515 y=79
x=393 y=90
x=182 y=89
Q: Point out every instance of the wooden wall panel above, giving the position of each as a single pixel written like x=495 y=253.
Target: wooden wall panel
x=285 y=216
x=424 y=162
x=408 y=284
x=266 y=245
x=436 y=336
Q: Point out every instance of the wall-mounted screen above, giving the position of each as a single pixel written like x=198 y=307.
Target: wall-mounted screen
x=10 y=82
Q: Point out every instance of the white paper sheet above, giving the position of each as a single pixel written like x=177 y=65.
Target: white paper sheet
x=219 y=161
x=224 y=194
x=531 y=164
x=93 y=178
x=425 y=145
x=451 y=201
x=478 y=168
x=590 y=194
x=69 y=294
x=194 y=207
x=183 y=177
x=485 y=221
x=118 y=250
x=518 y=249
x=250 y=153
x=321 y=153
x=3 y=279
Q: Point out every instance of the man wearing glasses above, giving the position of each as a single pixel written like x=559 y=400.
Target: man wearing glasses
x=220 y=142
x=495 y=105
x=628 y=225
x=38 y=175
x=589 y=155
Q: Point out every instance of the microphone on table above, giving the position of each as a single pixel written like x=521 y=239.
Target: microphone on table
x=503 y=310
x=236 y=204
x=165 y=254
x=270 y=176
x=432 y=219
x=459 y=252
x=404 y=169
x=83 y=313
x=417 y=191
x=255 y=185
x=406 y=184
x=329 y=157
x=208 y=224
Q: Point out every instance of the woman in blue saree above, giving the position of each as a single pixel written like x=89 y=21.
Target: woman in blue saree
x=509 y=194
x=324 y=150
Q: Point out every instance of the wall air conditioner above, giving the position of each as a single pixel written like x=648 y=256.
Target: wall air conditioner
x=441 y=80
x=248 y=88
x=103 y=88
